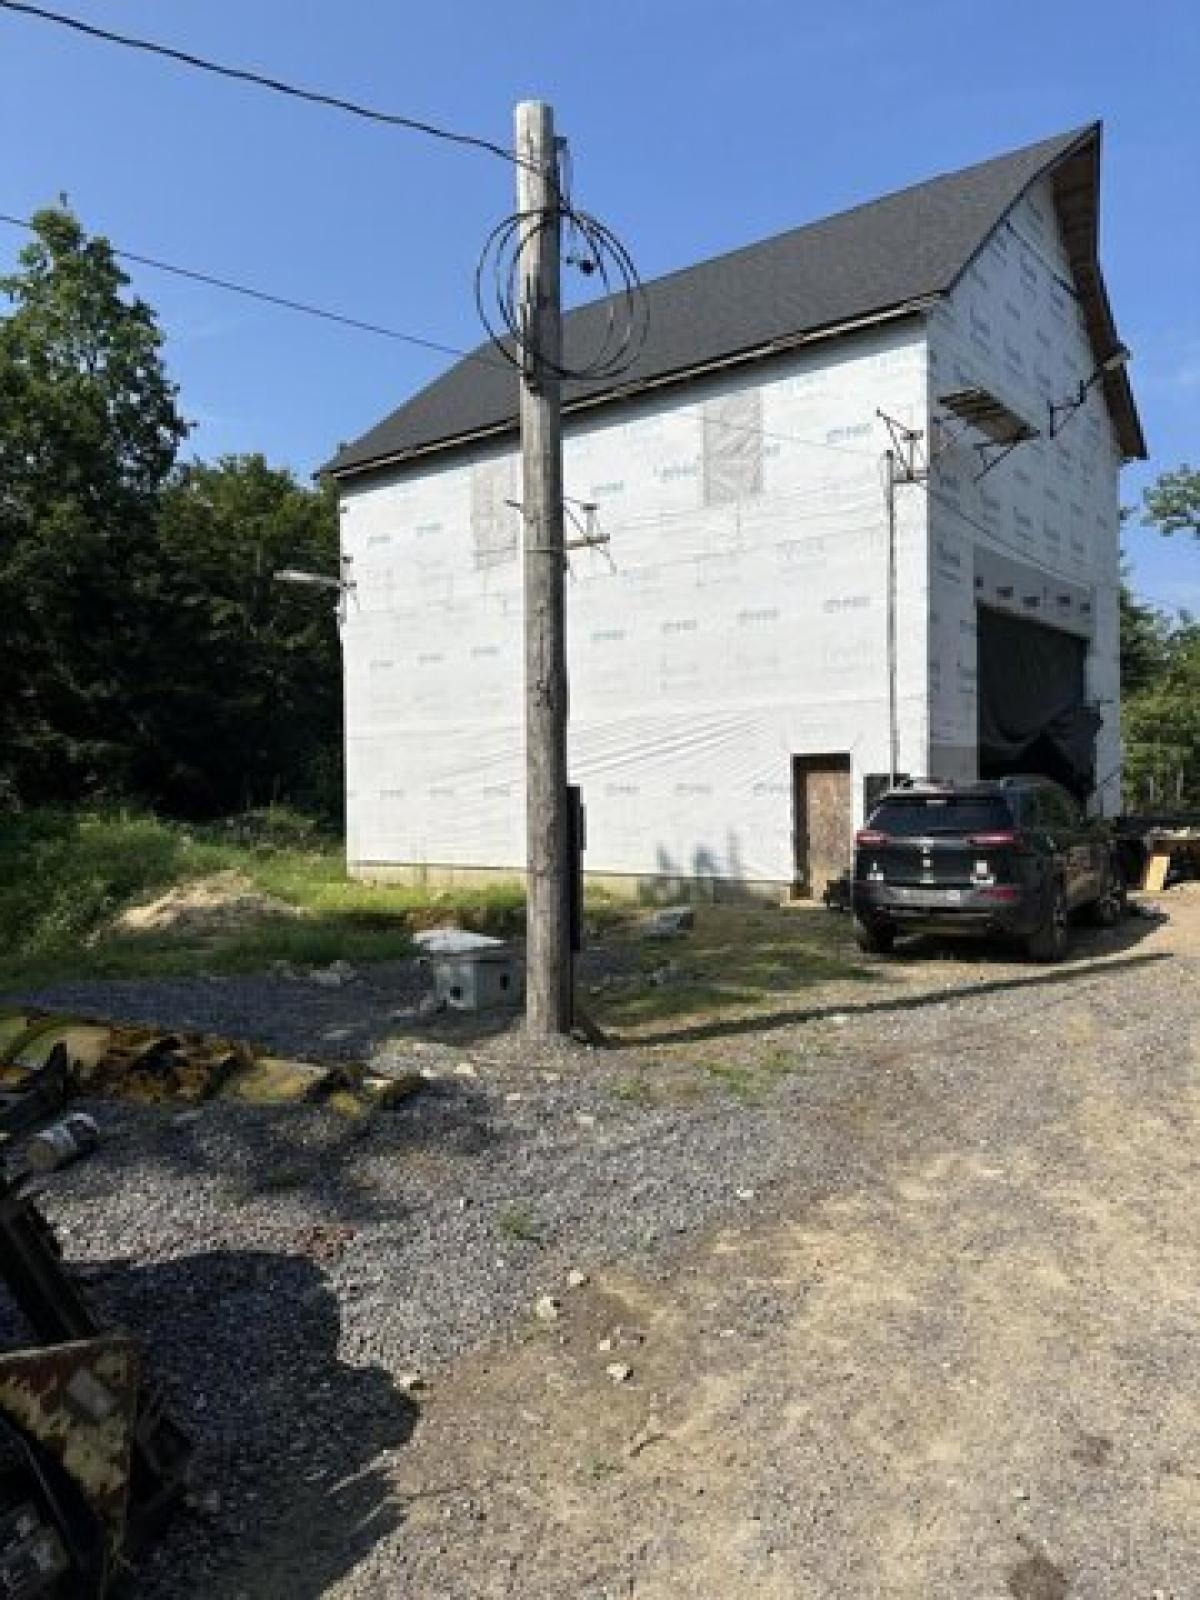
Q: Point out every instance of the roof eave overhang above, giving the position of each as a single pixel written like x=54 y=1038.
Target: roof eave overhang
x=1076 y=181
x=1075 y=178
x=631 y=391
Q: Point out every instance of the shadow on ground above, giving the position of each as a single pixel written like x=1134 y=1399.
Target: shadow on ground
x=302 y=1166
x=738 y=971
x=765 y=1021
x=291 y=1488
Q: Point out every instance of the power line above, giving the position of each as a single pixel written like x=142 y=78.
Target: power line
x=770 y=433
x=259 y=80
x=264 y=295
x=481 y=356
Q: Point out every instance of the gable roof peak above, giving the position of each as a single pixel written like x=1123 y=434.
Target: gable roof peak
x=886 y=257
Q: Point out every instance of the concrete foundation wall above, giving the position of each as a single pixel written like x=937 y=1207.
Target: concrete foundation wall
x=650 y=889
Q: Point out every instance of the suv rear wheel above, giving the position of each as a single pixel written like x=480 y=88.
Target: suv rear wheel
x=1108 y=910
x=877 y=938
x=1050 y=940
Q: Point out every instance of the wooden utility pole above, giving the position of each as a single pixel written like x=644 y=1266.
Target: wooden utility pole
x=549 y=976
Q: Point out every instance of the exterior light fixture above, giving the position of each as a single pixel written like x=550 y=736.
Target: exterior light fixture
x=1064 y=410
x=343 y=587
x=310 y=580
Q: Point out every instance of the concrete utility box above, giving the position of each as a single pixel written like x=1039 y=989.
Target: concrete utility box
x=471 y=972
x=478 y=980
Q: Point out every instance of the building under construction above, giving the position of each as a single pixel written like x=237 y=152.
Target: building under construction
x=767 y=616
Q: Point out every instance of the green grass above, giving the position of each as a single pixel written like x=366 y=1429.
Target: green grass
x=735 y=962
x=65 y=877
x=518 y=1222
x=739 y=1081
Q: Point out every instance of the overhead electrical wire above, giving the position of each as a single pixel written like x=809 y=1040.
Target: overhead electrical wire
x=260 y=80
x=284 y=301
x=342 y=319
x=588 y=243
x=591 y=246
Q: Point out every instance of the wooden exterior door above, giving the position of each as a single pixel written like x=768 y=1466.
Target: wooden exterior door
x=823 y=821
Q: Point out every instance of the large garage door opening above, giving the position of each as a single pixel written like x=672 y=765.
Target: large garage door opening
x=1032 y=712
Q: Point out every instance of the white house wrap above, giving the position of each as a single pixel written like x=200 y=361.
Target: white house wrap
x=728 y=639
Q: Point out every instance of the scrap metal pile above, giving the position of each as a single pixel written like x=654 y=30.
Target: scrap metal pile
x=89 y=1459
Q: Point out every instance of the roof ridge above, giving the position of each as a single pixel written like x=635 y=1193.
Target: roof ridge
x=878 y=259
x=1067 y=141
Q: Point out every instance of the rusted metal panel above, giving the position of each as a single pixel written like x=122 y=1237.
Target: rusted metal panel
x=132 y=1062
x=78 y=1403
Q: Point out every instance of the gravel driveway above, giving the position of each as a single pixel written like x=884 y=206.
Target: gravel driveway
x=907 y=1294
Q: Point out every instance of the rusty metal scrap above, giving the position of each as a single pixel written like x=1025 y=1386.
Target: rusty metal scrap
x=32 y=1094
x=169 y=1066
x=89 y=1460
x=77 y=1403
x=151 y=1065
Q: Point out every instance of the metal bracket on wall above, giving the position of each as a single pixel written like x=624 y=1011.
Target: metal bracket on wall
x=905 y=443
x=1003 y=429
x=997 y=455
x=591 y=535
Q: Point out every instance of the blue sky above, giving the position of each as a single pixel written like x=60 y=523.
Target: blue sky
x=695 y=126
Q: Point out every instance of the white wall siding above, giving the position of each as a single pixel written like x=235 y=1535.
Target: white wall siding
x=734 y=619
x=1044 y=522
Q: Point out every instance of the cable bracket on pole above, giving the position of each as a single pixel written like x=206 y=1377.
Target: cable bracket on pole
x=912 y=463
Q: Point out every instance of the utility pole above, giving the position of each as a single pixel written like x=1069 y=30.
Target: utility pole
x=549 y=969
x=900 y=465
x=889 y=465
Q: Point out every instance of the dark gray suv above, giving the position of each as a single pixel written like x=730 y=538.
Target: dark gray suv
x=1010 y=857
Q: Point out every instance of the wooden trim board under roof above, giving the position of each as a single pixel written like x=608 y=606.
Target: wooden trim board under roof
x=1075 y=180
x=637 y=389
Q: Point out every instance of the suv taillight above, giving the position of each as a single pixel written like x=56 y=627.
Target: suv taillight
x=1009 y=836
x=870 y=837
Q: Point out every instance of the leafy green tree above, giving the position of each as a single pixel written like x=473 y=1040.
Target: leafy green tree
x=1162 y=727
x=1172 y=503
x=1160 y=668
x=89 y=430
x=1145 y=643
x=145 y=649
x=242 y=691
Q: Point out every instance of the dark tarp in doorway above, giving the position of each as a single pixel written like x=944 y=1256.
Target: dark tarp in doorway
x=1032 y=712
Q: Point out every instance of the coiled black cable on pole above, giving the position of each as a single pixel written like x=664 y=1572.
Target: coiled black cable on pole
x=593 y=250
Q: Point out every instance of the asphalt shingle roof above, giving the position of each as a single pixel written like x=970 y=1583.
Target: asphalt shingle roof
x=856 y=265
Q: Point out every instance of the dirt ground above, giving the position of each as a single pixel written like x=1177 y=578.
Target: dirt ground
x=968 y=1368
x=894 y=1262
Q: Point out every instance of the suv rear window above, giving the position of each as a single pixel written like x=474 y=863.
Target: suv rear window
x=929 y=814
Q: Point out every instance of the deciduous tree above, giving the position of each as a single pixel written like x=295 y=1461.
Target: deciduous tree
x=1172 y=504
x=89 y=429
